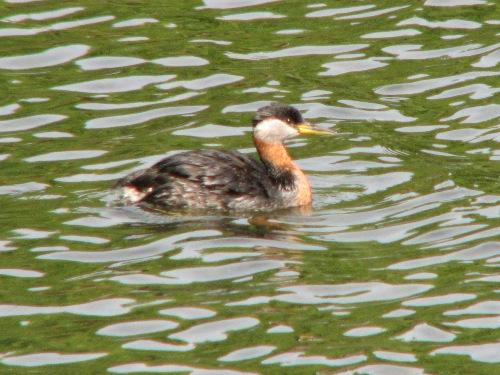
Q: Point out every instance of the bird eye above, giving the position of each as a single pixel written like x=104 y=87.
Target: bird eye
x=289 y=120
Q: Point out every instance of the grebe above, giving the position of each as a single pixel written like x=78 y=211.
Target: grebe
x=229 y=180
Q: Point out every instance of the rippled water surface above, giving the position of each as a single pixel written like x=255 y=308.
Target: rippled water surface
x=394 y=271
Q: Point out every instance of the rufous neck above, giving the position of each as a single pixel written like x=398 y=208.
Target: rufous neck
x=275 y=156
x=283 y=171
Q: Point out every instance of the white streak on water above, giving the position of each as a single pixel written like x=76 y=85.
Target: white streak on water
x=51 y=57
x=42 y=15
x=488 y=353
x=426 y=333
x=141 y=117
x=214 y=331
x=139 y=327
x=113 y=85
x=297 y=51
x=448 y=24
x=46 y=358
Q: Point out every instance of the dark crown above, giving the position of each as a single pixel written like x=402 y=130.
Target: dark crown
x=280 y=111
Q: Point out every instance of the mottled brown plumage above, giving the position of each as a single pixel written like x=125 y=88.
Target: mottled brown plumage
x=226 y=179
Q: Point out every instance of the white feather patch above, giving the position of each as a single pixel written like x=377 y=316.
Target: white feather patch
x=131 y=194
x=273 y=130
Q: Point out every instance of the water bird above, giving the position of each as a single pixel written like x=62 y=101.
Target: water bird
x=228 y=179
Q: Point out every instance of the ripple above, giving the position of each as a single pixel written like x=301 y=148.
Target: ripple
x=489 y=61
x=430 y=84
x=41 y=16
x=474 y=115
x=299 y=359
x=29 y=122
x=203 y=83
x=395 y=356
x=318 y=110
x=137 y=252
x=391 y=34
x=228 y=4
x=195 y=249
x=108 y=62
x=484 y=307
x=53 y=135
x=320 y=294
x=137 y=328
x=481 y=251
x=66 y=155
x=297 y=51
x=335 y=11
x=364 y=331
x=188 y=313
x=361 y=292
x=48 y=358
x=208 y=131
x=290 y=31
x=439 y=235
x=332 y=163
x=440 y=300
x=482 y=352
x=202 y=274
x=421 y=276
x=399 y=313
x=86 y=239
x=9 y=109
x=141 y=117
x=413 y=52
x=385 y=370
x=157 y=346
x=251 y=16
x=350 y=66
x=426 y=333
x=396 y=232
x=134 y=39
x=135 y=22
x=8 y=32
x=247 y=353
x=280 y=329
x=18 y=189
x=168 y=368
x=217 y=42
x=114 y=85
x=489 y=323
x=110 y=106
x=448 y=24
x=15 y=272
x=464 y=135
x=181 y=61
x=105 y=307
x=214 y=331
x=453 y=3
x=420 y=128
x=21 y=1
x=477 y=91
x=373 y=13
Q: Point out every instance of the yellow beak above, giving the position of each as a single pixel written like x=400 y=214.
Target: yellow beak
x=308 y=129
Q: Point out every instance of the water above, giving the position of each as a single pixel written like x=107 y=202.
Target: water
x=394 y=271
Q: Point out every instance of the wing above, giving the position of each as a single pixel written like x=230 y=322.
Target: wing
x=203 y=178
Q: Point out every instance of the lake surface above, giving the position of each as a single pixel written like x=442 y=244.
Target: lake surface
x=395 y=269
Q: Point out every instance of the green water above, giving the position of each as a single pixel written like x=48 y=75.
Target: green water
x=393 y=272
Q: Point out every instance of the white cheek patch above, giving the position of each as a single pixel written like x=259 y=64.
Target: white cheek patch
x=274 y=131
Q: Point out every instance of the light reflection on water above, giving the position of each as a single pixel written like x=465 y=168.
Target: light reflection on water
x=392 y=272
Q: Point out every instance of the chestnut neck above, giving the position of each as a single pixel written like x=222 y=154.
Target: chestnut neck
x=281 y=168
x=283 y=172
